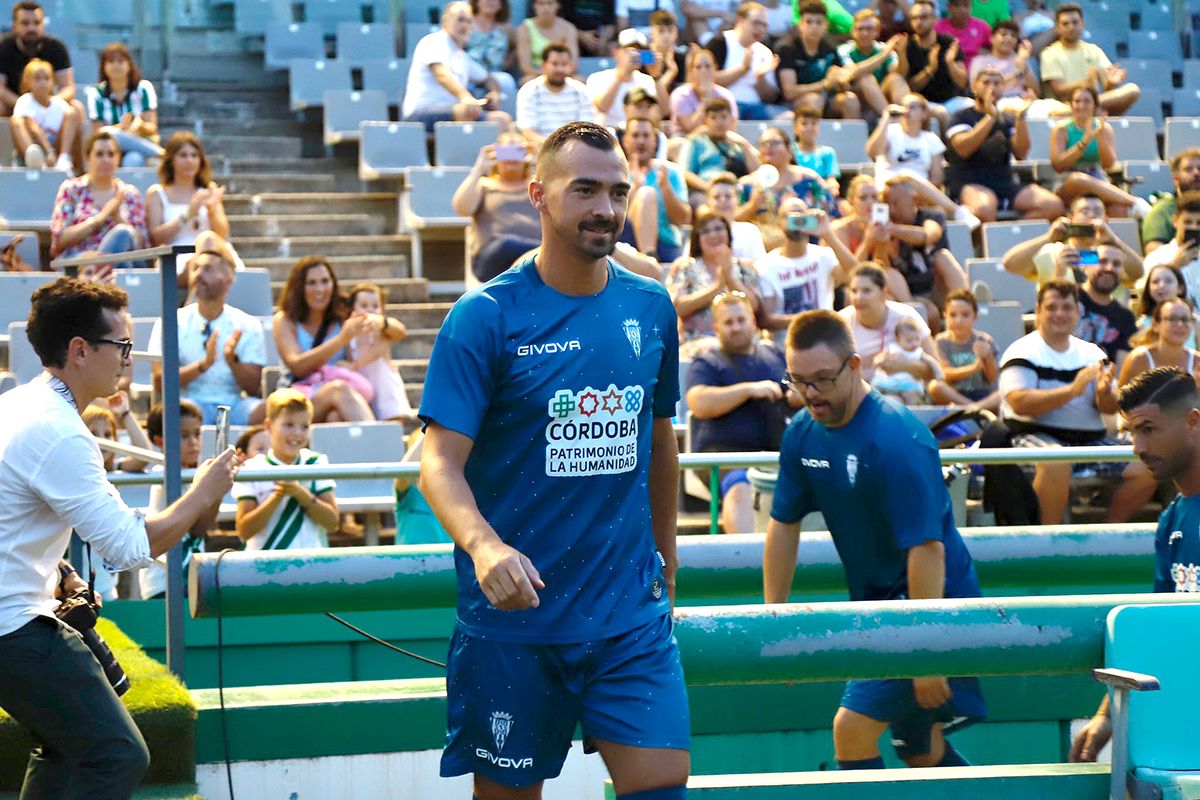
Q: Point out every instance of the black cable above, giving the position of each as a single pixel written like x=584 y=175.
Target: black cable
x=377 y=640
x=221 y=669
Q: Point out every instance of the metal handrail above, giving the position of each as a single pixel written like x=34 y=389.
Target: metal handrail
x=145 y=254
x=120 y=448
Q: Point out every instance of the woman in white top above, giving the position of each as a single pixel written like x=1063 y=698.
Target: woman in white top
x=125 y=105
x=1173 y=325
x=723 y=199
x=903 y=143
x=185 y=202
x=872 y=319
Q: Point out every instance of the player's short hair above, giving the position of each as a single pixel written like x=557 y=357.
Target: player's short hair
x=1186 y=155
x=962 y=295
x=283 y=401
x=814 y=7
x=663 y=19
x=718 y=105
x=25 y=5
x=813 y=328
x=746 y=9
x=872 y=272
x=1068 y=8
x=595 y=136
x=1169 y=387
x=66 y=308
x=1062 y=288
x=1007 y=25
x=555 y=47
x=154 y=420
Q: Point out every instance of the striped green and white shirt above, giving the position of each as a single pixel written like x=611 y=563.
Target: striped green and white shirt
x=102 y=106
x=289 y=527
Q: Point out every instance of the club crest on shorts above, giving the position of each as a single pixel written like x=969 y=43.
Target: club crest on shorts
x=633 y=332
x=852 y=468
x=501 y=725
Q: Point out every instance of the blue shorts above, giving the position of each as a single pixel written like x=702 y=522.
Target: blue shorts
x=732 y=479
x=513 y=708
x=893 y=702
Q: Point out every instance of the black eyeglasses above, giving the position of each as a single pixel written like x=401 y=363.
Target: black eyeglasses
x=126 y=345
x=820 y=385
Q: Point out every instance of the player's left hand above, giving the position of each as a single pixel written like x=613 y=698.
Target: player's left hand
x=931 y=692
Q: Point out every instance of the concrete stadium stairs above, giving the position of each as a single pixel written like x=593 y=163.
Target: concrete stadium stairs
x=287 y=197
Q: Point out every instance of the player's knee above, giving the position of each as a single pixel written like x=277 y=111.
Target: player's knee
x=850 y=732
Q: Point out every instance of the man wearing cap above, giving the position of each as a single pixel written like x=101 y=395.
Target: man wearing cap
x=608 y=87
x=222 y=349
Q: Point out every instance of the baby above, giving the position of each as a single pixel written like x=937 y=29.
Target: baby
x=898 y=382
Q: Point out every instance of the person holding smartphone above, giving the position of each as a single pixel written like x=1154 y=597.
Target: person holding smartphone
x=1183 y=250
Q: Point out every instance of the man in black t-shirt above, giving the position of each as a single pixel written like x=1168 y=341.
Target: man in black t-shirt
x=1103 y=321
x=597 y=24
x=736 y=401
x=981 y=142
x=810 y=71
x=932 y=63
x=27 y=41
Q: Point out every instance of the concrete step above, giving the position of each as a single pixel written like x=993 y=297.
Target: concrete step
x=335 y=247
x=257 y=183
x=254 y=146
x=419 y=315
x=264 y=126
x=412 y=369
x=308 y=225
x=314 y=203
x=239 y=66
x=390 y=271
x=225 y=165
x=414 y=392
x=418 y=344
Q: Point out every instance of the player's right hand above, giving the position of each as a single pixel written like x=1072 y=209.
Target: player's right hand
x=507 y=577
x=1091 y=739
x=931 y=692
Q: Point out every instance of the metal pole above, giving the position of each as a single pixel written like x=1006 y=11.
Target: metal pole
x=138 y=33
x=172 y=465
x=714 y=500
x=166 y=32
x=1120 y=742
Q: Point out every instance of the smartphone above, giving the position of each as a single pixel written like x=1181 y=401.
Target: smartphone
x=222 y=430
x=1191 y=237
x=881 y=213
x=1088 y=257
x=1081 y=230
x=510 y=152
x=802 y=221
x=647 y=57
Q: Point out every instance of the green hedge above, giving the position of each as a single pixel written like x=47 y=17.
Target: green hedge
x=159 y=703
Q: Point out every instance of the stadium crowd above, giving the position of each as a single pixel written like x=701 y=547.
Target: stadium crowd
x=747 y=225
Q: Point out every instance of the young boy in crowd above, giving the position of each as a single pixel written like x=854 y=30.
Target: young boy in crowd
x=820 y=158
x=282 y=515
x=969 y=357
x=153 y=579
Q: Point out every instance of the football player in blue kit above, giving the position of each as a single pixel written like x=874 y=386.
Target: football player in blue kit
x=872 y=469
x=1161 y=408
x=551 y=461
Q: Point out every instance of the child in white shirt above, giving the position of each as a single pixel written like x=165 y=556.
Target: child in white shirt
x=43 y=126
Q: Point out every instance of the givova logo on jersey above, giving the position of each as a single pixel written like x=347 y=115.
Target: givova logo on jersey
x=593 y=431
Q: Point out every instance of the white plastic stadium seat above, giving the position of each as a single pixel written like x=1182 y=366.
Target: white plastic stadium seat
x=15 y=291
x=286 y=41
x=1006 y=286
x=344 y=110
x=388 y=75
x=27 y=197
x=1002 y=321
x=1182 y=133
x=359 y=41
x=386 y=149
x=999 y=236
x=251 y=292
x=309 y=80
x=435 y=186
x=144 y=287
x=848 y=138
x=457 y=144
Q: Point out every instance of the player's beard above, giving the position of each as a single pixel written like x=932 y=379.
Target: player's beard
x=1171 y=465
x=588 y=242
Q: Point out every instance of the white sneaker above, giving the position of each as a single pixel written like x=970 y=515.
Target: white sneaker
x=64 y=163
x=982 y=292
x=964 y=215
x=1140 y=207
x=35 y=157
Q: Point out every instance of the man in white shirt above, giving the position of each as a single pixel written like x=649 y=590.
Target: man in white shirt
x=1054 y=388
x=1183 y=251
x=636 y=13
x=553 y=99
x=222 y=350
x=746 y=66
x=441 y=76
x=52 y=480
x=799 y=276
x=607 y=88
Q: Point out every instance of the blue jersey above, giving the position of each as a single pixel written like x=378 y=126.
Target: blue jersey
x=1177 y=547
x=558 y=394
x=878 y=481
